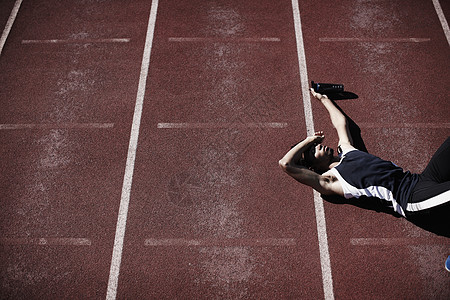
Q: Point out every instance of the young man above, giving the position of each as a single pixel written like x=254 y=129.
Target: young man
x=422 y=197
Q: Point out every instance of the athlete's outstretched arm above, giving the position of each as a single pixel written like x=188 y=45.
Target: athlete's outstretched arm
x=337 y=119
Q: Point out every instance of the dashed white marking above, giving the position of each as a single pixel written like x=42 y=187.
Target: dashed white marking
x=444 y=24
x=46 y=241
x=404 y=125
x=376 y=40
x=9 y=24
x=77 y=41
x=222 y=242
x=318 y=202
x=399 y=241
x=129 y=168
x=221 y=125
x=57 y=126
x=213 y=39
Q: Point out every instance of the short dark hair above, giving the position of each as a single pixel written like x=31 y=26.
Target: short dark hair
x=307 y=159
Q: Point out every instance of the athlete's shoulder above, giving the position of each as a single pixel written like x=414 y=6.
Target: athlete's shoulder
x=344 y=148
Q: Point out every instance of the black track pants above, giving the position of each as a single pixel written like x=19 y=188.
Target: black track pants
x=430 y=200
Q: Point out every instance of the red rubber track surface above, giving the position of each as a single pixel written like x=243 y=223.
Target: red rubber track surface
x=211 y=215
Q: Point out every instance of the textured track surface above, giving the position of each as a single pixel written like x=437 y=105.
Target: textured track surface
x=210 y=216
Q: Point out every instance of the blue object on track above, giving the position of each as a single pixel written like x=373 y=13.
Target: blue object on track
x=447 y=264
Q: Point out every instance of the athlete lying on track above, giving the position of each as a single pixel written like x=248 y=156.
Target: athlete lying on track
x=354 y=173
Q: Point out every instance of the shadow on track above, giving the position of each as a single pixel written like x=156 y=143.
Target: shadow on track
x=342 y=96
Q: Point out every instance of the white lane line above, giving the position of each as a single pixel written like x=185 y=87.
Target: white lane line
x=180 y=242
x=221 y=125
x=57 y=126
x=77 y=41
x=376 y=40
x=129 y=168
x=226 y=40
x=444 y=24
x=399 y=241
x=318 y=202
x=46 y=241
x=404 y=125
x=9 y=24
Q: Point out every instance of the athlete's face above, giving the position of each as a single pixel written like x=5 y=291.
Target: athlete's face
x=321 y=156
x=320 y=151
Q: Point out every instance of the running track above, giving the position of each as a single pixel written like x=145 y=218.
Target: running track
x=140 y=144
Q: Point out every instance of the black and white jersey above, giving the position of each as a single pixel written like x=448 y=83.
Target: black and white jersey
x=363 y=174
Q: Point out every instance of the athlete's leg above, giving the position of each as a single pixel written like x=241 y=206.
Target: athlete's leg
x=428 y=192
x=429 y=206
x=438 y=169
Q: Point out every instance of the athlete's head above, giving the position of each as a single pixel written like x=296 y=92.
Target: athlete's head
x=318 y=158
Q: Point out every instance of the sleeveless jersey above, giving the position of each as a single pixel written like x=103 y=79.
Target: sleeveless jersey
x=363 y=174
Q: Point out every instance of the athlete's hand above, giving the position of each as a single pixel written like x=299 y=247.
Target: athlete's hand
x=319 y=134
x=318 y=137
x=317 y=95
